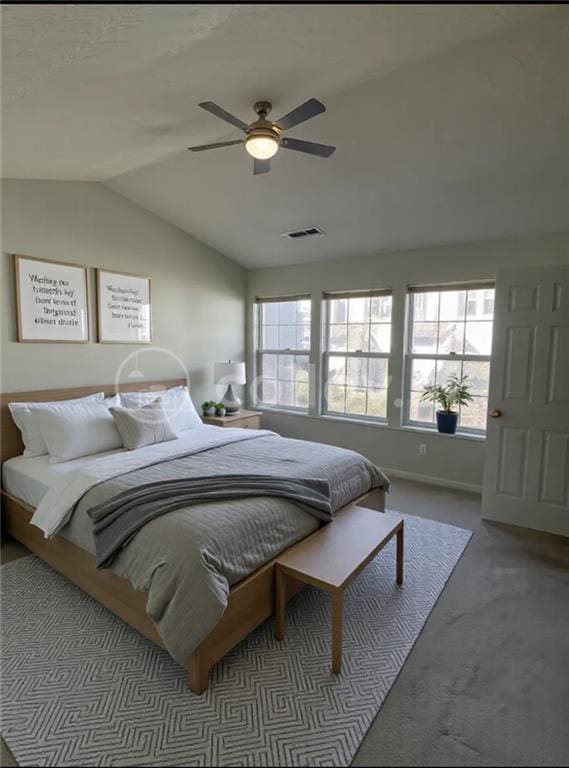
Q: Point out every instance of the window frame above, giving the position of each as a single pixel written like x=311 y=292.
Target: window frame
x=409 y=355
x=289 y=352
x=327 y=354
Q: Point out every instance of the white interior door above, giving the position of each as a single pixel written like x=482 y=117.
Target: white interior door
x=526 y=474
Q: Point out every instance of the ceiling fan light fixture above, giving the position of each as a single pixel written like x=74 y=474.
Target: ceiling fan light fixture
x=261 y=147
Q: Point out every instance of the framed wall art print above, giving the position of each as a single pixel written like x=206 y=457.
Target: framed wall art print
x=124 y=308
x=52 y=303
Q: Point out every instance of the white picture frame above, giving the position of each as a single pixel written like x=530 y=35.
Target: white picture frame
x=52 y=301
x=124 y=304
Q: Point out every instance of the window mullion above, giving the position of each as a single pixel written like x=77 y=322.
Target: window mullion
x=314 y=365
x=367 y=384
x=381 y=355
x=304 y=352
x=438 y=324
x=434 y=356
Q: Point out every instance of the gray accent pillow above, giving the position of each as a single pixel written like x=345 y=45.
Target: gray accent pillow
x=142 y=426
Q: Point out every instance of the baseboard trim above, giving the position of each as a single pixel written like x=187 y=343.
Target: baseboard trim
x=440 y=481
x=551 y=525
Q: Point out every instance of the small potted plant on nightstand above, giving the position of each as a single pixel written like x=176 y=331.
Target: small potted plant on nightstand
x=220 y=409
x=456 y=392
x=209 y=408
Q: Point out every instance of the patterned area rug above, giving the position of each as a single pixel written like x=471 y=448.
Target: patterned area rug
x=79 y=687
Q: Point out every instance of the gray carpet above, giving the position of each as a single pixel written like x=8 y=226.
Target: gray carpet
x=79 y=687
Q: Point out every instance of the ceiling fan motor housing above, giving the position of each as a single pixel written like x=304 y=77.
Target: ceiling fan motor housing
x=262 y=108
x=266 y=130
x=263 y=136
x=263 y=128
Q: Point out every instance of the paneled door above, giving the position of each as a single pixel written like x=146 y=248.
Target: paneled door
x=526 y=475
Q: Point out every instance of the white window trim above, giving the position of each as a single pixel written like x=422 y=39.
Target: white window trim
x=326 y=354
x=258 y=403
x=398 y=401
x=409 y=355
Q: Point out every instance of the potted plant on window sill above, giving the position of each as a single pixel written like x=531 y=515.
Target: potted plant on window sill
x=455 y=393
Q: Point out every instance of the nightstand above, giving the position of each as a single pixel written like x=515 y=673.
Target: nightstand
x=243 y=419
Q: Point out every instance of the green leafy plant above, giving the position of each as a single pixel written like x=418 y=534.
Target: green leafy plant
x=456 y=392
x=208 y=404
x=219 y=409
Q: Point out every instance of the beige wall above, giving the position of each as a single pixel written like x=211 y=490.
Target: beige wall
x=457 y=460
x=197 y=294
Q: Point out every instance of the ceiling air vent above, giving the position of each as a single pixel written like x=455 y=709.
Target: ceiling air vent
x=299 y=233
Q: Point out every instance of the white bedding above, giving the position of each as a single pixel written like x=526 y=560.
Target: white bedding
x=29 y=479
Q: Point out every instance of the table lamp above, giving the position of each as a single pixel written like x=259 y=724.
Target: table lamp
x=230 y=373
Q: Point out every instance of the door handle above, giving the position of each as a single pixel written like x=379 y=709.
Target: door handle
x=496 y=413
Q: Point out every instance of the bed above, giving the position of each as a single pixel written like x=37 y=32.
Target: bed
x=250 y=594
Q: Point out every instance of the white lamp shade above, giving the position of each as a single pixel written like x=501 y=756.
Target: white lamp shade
x=229 y=373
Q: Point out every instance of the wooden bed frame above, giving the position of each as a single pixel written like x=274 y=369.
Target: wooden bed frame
x=251 y=601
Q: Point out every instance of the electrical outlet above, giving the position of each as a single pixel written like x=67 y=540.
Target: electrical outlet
x=422 y=449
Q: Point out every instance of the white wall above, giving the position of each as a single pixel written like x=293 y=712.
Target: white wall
x=197 y=294
x=454 y=460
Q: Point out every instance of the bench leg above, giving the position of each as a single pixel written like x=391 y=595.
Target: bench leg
x=280 y=603
x=400 y=556
x=337 y=621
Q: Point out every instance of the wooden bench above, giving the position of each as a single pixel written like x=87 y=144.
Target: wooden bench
x=332 y=557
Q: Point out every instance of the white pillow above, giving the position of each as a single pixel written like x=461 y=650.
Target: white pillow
x=25 y=417
x=138 y=399
x=79 y=431
x=177 y=404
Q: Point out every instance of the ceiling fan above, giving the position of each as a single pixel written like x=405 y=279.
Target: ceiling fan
x=264 y=137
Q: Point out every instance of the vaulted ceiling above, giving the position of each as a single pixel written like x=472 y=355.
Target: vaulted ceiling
x=450 y=121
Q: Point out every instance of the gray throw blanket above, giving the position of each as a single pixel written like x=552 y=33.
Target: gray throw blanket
x=120 y=517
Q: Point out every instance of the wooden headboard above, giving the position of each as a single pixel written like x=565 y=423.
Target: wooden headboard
x=11 y=440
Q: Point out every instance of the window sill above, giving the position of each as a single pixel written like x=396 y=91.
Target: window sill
x=284 y=411
x=371 y=423
x=433 y=431
x=381 y=423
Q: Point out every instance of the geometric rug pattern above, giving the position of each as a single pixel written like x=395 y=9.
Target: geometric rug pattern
x=81 y=688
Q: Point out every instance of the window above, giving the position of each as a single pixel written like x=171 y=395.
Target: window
x=283 y=350
x=357 y=344
x=450 y=332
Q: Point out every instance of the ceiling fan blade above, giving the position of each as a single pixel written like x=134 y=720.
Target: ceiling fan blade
x=310 y=147
x=306 y=111
x=219 y=144
x=209 y=106
x=261 y=166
